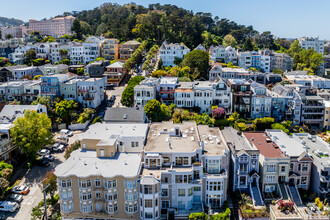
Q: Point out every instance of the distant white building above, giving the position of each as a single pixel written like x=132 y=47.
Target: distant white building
x=84 y=53
x=26 y=71
x=145 y=91
x=310 y=42
x=223 y=55
x=168 y=52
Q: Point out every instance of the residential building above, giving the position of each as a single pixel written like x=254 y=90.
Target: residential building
x=8 y=150
x=326 y=61
x=110 y=48
x=274 y=165
x=240 y=73
x=145 y=91
x=43 y=50
x=97 y=68
x=168 y=52
x=200 y=47
x=26 y=72
x=273 y=78
x=241 y=96
x=178 y=163
x=54 y=52
x=115 y=73
x=310 y=42
x=312 y=110
x=18 y=56
x=50 y=85
x=231 y=55
x=91 y=92
x=68 y=89
x=261 y=104
x=6 y=50
x=15 y=32
x=127 y=49
x=31 y=90
x=319 y=150
x=54 y=27
x=218 y=53
x=245 y=60
x=215 y=71
x=84 y=53
x=74 y=68
x=326 y=122
x=300 y=161
x=6 y=72
x=125 y=115
x=309 y=80
x=166 y=89
x=184 y=96
x=244 y=168
x=54 y=69
x=282 y=62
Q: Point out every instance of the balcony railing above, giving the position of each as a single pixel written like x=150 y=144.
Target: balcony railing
x=166 y=91
x=83 y=90
x=88 y=98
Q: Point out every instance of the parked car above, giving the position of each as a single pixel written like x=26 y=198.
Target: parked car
x=63 y=139
x=43 y=162
x=112 y=98
x=20 y=189
x=8 y=206
x=48 y=157
x=43 y=152
x=15 y=198
x=59 y=148
x=66 y=132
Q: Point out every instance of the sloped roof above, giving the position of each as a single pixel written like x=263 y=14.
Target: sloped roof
x=126 y=115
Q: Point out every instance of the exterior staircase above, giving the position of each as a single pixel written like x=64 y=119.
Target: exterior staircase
x=294 y=194
x=256 y=195
x=284 y=191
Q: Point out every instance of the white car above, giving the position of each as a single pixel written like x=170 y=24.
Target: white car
x=66 y=132
x=21 y=189
x=15 y=198
x=8 y=206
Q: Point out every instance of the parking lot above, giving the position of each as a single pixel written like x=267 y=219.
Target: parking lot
x=33 y=180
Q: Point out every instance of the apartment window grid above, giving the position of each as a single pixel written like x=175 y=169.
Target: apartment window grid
x=111 y=208
x=215 y=186
x=110 y=196
x=66 y=183
x=213 y=166
x=130 y=184
x=271 y=168
x=270 y=179
x=64 y=196
x=110 y=184
x=85 y=183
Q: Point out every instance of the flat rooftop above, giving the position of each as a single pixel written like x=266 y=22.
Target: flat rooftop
x=162 y=137
x=214 y=143
x=266 y=146
x=238 y=141
x=316 y=146
x=102 y=131
x=287 y=144
x=168 y=80
x=85 y=163
x=234 y=70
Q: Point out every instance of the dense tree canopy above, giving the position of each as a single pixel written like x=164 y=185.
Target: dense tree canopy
x=198 y=62
x=127 y=98
x=32 y=132
x=162 y=22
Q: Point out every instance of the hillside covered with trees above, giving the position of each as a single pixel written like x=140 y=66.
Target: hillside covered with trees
x=159 y=22
x=9 y=22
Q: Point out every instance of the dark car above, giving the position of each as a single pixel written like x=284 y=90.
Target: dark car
x=43 y=162
x=48 y=157
x=112 y=98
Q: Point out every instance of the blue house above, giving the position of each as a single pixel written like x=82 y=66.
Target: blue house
x=50 y=85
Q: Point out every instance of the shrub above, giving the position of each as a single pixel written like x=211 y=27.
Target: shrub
x=218 y=113
x=75 y=146
x=198 y=215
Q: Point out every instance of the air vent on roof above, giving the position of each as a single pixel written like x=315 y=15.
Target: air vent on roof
x=125 y=116
x=252 y=139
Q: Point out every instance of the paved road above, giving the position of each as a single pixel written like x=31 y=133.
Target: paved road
x=117 y=91
x=33 y=180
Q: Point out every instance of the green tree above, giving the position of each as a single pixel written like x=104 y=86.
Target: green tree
x=279 y=126
x=44 y=100
x=229 y=40
x=63 y=53
x=153 y=110
x=80 y=71
x=37 y=77
x=262 y=124
x=9 y=36
x=64 y=108
x=50 y=180
x=97 y=119
x=248 y=46
x=127 y=98
x=49 y=39
x=177 y=61
x=159 y=73
x=29 y=56
x=76 y=27
x=197 y=60
x=65 y=61
x=3 y=187
x=75 y=146
x=32 y=132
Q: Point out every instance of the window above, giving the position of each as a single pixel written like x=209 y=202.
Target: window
x=83 y=208
x=190 y=191
x=97 y=182
x=114 y=183
x=304 y=167
x=97 y=195
x=282 y=168
x=303 y=180
x=181 y=192
x=66 y=183
x=165 y=204
x=147 y=189
x=164 y=192
x=242 y=180
x=271 y=168
x=185 y=161
x=213 y=166
x=215 y=186
x=148 y=203
x=102 y=153
x=270 y=179
x=148 y=215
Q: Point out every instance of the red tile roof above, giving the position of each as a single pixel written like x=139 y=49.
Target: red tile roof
x=266 y=147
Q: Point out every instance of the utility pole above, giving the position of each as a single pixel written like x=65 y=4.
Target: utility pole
x=43 y=189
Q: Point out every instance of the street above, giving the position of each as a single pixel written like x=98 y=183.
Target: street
x=33 y=180
x=117 y=91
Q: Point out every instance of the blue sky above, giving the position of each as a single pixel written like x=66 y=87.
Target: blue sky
x=284 y=18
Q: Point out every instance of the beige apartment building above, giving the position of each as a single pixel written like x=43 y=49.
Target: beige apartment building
x=110 y=48
x=54 y=27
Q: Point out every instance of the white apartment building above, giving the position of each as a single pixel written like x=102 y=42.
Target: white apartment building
x=55 y=69
x=245 y=60
x=310 y=42
x=18 y=56
x=54 y=27
x=261 y=102
x=91 y=92
x=84 y=53
x=218 y=53
x=145 y=91
x=265 y=63
x=43 y=50
x=231 y=55
x=168 y=52
x=309 y=80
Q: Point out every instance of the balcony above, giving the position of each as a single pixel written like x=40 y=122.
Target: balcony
x=48 y=93
x=83 y=90
x=88 y=98
x=162 y=91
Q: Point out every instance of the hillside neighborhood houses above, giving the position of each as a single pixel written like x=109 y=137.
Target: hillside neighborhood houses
x=129 y=166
